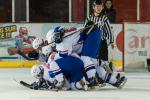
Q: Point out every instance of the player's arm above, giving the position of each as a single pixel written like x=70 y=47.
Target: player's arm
x=88 y=26
x=87 y=20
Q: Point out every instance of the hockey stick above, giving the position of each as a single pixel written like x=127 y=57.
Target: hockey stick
x=90 y=26
x=112 y=60
x=27 y=85
x=90 y=29
x=24 y=84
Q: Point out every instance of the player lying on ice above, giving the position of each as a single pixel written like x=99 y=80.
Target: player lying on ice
x=66 y=47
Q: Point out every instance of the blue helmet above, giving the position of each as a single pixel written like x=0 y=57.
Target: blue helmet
x=58 y=34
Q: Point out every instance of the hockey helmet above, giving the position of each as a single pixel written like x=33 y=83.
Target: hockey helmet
x=37 y=71
x=58 y=34
x=50 y=35
x=37 y=42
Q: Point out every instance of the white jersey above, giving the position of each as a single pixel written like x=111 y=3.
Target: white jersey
x=64 y=48
x=70 y=43
x=46 y=75
x=69 y=46
x=49 y=72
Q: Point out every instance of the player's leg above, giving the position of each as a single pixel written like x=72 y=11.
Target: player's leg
x=103 y=55
x=73 y=69
x=90 y=50
x=76 y=79
x=90 y=70
x=79 y=85
x=115 y=79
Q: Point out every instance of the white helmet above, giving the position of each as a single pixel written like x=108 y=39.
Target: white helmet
x=46 y=50
x=36 y=43
x=50 y=35
x=37 y=71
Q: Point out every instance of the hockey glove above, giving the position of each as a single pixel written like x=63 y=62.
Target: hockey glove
x=40 y=85
x=89 y=27
x=58 y=85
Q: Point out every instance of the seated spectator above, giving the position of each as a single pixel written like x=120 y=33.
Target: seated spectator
x=109 y=11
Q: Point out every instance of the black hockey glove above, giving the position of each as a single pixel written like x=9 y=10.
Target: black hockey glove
x=58 y=85
x=88 y=27
x=89 y=23
x=35 y=86
x=33 y=55
x=41 y=85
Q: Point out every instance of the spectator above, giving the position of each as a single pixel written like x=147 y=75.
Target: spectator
x=109 y=11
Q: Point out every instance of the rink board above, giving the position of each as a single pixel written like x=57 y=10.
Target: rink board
x=40 y=30
x=17 y=64
x=29 y=64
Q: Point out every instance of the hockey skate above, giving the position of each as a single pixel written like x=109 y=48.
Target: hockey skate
x=120 y=82
x=92 y=82
x=100 y=82
x=85 y=87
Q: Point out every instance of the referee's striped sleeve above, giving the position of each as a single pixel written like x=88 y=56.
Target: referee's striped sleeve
x=110 y=35
x=86 y=21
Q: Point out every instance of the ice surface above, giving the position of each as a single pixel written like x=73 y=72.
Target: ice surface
x=137 y=88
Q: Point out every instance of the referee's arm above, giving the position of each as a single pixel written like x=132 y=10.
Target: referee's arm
x=108 y=31
x=86 y=21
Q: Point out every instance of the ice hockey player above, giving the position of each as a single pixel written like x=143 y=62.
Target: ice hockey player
x=90 y=50
x=91 y=44
x=42 y=49
x=69 y=63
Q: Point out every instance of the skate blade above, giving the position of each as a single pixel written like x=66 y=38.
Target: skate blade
x=122 y=84
x=102 y=85
x=85 y=88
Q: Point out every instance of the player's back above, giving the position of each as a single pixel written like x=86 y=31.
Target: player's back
x=68 y=42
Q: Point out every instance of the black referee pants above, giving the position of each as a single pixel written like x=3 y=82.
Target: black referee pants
x=103 y=53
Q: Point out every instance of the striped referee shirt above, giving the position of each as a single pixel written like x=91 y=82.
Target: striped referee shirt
x=103 y=24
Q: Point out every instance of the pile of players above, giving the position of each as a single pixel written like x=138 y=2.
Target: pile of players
x=68 y=60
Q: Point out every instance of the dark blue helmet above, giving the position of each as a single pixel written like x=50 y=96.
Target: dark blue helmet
x=58 y=34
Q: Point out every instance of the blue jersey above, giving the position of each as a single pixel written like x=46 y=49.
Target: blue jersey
x=91 y=44
x=72 y=67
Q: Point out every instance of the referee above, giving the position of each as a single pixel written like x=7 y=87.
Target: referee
x=103 y=24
